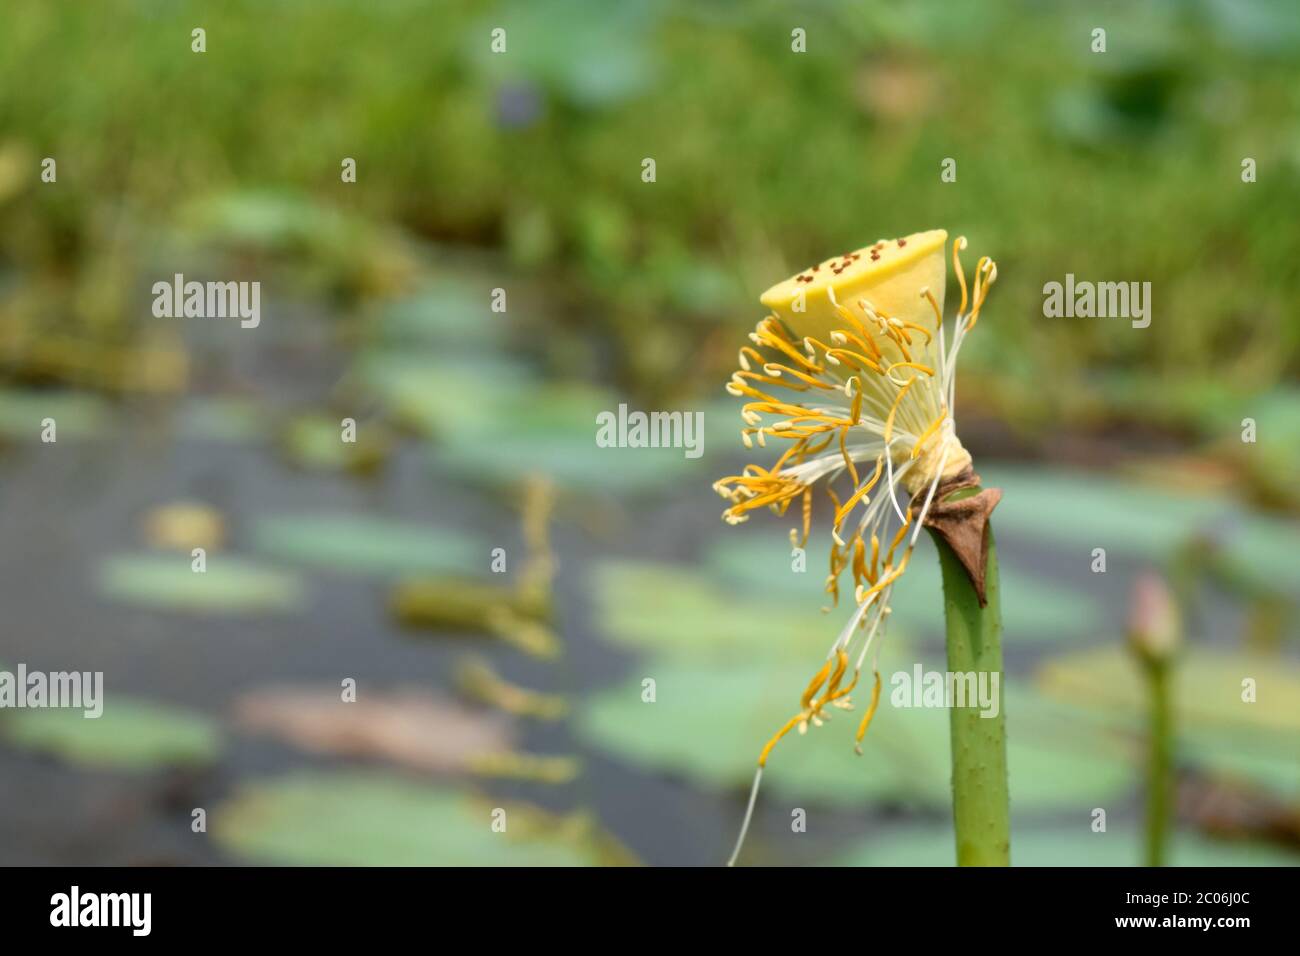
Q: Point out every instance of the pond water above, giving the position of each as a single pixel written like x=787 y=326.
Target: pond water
x=628 y=563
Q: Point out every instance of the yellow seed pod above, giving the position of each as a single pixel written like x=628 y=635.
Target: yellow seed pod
x=888 y=274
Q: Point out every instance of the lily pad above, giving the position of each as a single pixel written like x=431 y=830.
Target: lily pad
x=1219 y=733
x=230 y=585
x=1264 y=761
x=372 y=819
x=552 y=430
x=446 y=310
x=1032 y=609
x=315 y=442
x=1090 y=511
x=763 y=561
x=222 y=419
x=1207 y=685
x=1076 y=846
x=492 y=420
x=708 y=724
x=441 y=398
x=75 y=414
x=1265 y=550
x=130 y=734
x=371 y=545
x=674 y=610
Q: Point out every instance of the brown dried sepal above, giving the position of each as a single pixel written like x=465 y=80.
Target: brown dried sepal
x=964 y=524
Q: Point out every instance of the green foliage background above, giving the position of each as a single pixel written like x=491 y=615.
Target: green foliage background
x=1122 y=165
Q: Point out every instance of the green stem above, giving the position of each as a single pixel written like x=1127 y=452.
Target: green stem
x=1160 y=763
x=980 y=801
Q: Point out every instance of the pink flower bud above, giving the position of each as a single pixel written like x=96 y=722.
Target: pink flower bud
x=1154 y=628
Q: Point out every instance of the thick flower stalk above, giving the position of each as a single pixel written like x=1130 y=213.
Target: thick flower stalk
x=854 y=374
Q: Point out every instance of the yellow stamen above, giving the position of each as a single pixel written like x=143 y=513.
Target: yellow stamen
x=898 y=400
x=958 y=244
x=841 y=665
x=818 y=679
x=859 y=560
x=934 y=304
x=844 y=451
x=866 y=718
x=789 y=726
x=933 y=427
x=852 y=502
x=808 y=381
x=914 y=365
x=746 y=351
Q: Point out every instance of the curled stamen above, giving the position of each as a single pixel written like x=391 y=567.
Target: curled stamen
x=958 y=245
x=889 y=371
x=871 y=712
x=934 y=304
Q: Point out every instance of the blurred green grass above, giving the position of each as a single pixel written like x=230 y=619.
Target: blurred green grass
x=1123 y=165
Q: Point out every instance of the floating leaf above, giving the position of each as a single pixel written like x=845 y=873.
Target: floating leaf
x=222 y=419
x=552 y=430
x=1264 y=549
x=1088 y=511
x=447 y=310
x=230 y=585
x=1265 y=761
x=493 y=420
x=1032 y=609
x=763 y=562
x=316 y=442
x=372 y=545
x=369 y=819
x=443 y=398
x=671 y=609
x=130 y=734
x=1207 y=687
x=708 y=723
x=1078 y=846
x=76 y=414
x=1219 y=733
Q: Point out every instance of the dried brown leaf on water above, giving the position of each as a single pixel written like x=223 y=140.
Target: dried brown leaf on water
x=1234 y=810
x=409 y=727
